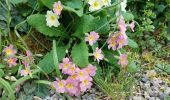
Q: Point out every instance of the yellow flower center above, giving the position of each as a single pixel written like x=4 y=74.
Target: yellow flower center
x=91 y=37
x=10 y=61
x=88 y=70
x=52 y=18
x=58 y=8
x=60 y=84
x=66 y=65
x=72 y=68
x=95 y=4
x=8 y=51
x=97 y=55
x=69 y=86
x=85 y=82
x=74 y=76
x=81 y=74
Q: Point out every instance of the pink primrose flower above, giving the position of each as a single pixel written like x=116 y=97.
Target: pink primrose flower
x=12 y=62
x=86 y=84
x=65 y=65
x=57 y=8
x=98 y=55
x=90 y=69
x=59 y=85
x=92 y=38
x=123 y=60
x=9 y=51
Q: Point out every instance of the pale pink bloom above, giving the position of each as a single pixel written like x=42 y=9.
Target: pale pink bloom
x=90 y=69
x=81 y=74
x=132 y=26
x=117 y=41
x=57 y=7
x=123 y=60
x=122 y=40
x=86 y=84
x=92 y=38
x=65 y=65
x=29 y=55
x=25 y=63
x=25 y=72
x=112 y=42
x=98 y=55
x=9 y=51
x=73 y=77
x=59 y=85
x=122 y=25
x=17 y=88
x=71 y=86
x=71 y=70
x=12 y=62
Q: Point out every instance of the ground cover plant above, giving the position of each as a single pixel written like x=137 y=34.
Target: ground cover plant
x=68 y=48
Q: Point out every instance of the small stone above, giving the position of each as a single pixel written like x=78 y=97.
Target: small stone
x=36 y=98
x=151 y=73
x=152 y=98
x=144 y=79
x=146 y=95
x=137 y=98
x=167 y=91
x=161 y=96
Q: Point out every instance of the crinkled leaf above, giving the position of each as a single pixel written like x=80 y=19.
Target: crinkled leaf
x=132 y=43
x=1 y=73
x=80 y=55
x=102 y=26
x=84 y=24
x=48 y=3
x=76 y=4
x=47 y=64
x=38 y=21
x=128 y=16
x=18 y=1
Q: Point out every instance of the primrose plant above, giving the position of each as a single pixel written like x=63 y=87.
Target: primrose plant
x=78 y=79
x=86 y=35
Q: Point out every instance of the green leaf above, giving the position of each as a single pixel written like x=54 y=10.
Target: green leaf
x=47 y=64
x=76 y=4
x=7 y=86
x=80 y=55
x=132 y=67
x=55 y=59
x=2 y=66
x=61 y=52
x=102 y=26
x=48 y=3
x=18 y=1
x=128 y=16
x=1 y=73
x=38 y=21
x=132 y=43
x=84 y=24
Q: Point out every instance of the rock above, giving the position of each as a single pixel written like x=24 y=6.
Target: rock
x=146 y=95
x=144 y=79
x=36 y=98
x=161 y=96
x=137 y=98
x=151 y=73
x=167 y=91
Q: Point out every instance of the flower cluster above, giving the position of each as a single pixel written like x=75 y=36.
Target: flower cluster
x=26 y=61
x=53 y=16
x=92 y=39
x=11 y=59
x=78 y=80
x=98 y=4
x=10 y=55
